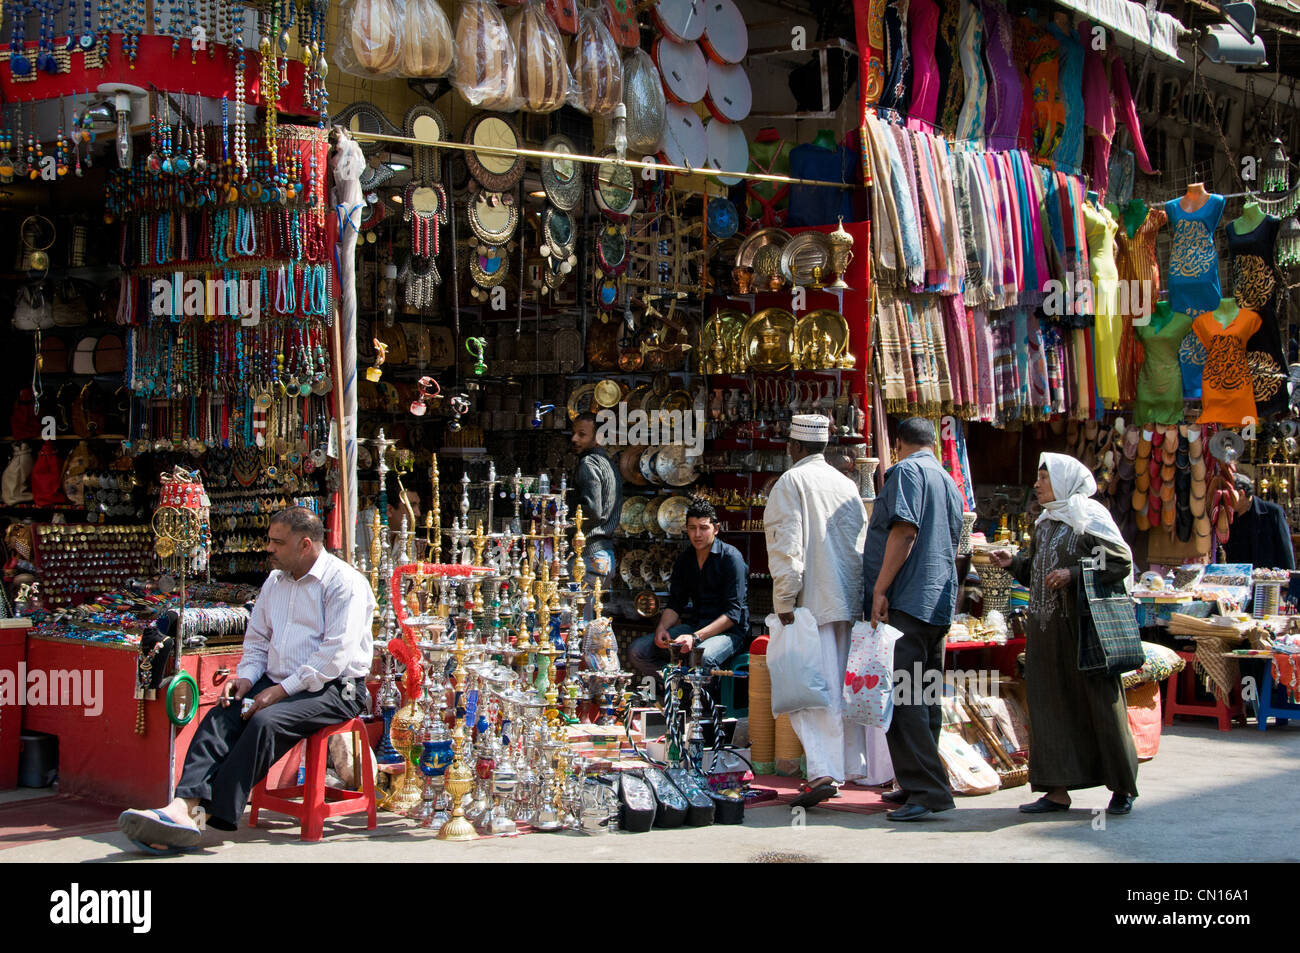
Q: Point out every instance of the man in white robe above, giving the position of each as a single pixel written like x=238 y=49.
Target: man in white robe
x=815 y=527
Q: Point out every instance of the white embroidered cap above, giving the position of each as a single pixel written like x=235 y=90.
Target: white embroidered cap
x=810 y=428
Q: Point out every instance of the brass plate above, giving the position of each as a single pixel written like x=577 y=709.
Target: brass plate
x=629 y=519
x=650 y=516
x=608 y=393
x=672 y=515
x=834 y=332
x=764 y=236
x=765 y=343
x=581 y=400
x=803 y=253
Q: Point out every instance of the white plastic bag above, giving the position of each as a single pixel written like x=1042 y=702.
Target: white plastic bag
x=869 y=675
x=794 y=660
x=370 y=38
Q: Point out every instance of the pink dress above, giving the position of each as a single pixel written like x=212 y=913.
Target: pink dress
x=922 y=29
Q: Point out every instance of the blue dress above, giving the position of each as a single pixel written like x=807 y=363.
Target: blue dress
x=1194 y=278
x=1069 y=152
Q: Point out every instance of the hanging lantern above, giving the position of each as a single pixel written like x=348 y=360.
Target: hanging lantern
x=1288 y=243
x=1276 y=173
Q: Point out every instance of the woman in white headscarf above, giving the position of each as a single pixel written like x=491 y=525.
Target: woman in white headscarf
x=1079 y=735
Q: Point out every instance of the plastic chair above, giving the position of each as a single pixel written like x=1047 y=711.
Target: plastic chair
x=317 y=800
x=1181 y=699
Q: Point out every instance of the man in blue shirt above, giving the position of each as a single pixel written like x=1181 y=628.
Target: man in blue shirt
x=909 y=569
x=711 y=578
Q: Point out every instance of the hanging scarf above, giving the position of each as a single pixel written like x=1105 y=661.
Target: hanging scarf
x=913 y=260
x=916 y=257
x=936 y=265
x=1040 y=390
x=960 y=358
x=952 y=223
x=975 y=290
x=1055 y=384
x=1005 y=382
x=987 y=398
x=938 y=340
x=880 y=432
x=887 y=235
x=890 y=356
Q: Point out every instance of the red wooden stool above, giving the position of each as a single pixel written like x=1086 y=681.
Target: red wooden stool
x=1181 y=699
x=318 y=801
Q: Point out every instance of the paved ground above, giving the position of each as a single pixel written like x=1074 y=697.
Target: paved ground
x=1208 y=796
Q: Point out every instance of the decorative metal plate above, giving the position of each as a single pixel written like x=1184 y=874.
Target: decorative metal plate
x=496 y=173
x=764 y=236
x=562 y=178
x=492 y=220
x=803 y=253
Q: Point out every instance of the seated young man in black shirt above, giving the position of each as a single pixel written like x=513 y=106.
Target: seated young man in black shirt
x=706 y=600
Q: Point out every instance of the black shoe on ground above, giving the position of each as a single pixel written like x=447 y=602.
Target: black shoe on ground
x=1120 y=804
x=897 y=796
x=909 y=812
x=1043 y=806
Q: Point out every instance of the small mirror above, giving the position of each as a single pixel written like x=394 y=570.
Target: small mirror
x=613 y=247
x=616 y=186
x=559 y=228
x=425 y=201
x=426 y=129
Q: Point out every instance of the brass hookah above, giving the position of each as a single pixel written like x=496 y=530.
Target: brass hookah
x=459 y=779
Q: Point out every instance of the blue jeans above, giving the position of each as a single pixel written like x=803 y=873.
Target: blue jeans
x=648 y=659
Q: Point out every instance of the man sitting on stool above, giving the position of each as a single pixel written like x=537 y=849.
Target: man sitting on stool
x=307 y=652
x=711 y=577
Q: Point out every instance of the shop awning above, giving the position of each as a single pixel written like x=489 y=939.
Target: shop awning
x=1140 y=22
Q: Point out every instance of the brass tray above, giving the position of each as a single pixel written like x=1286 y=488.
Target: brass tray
x=833 y=330
x=764 y=236
x=650 y=516
x=803 y=253
x=766 y=341
x=629 y=519
x=582 y=400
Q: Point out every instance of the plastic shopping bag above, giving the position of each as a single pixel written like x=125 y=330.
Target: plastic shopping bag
x=794 y=660
x=869 y=675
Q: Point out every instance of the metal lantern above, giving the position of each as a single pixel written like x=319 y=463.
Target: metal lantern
x=1288 y=243
x=1276 y=173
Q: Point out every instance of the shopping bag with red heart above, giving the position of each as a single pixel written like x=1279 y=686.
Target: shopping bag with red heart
x=868 y=691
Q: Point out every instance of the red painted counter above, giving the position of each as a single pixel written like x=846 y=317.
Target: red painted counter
x=101 y=756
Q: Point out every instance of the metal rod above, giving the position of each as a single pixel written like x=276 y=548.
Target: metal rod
x=596 y=160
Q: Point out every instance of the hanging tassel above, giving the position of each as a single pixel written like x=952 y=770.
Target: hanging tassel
x=1288 y=243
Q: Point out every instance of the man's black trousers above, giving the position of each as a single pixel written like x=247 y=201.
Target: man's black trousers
x=229 y=755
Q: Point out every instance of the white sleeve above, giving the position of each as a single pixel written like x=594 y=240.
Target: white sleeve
x=783 y=527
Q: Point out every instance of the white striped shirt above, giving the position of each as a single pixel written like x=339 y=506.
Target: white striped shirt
x=306 y=632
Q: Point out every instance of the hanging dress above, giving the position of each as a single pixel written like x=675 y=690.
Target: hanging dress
x=1194 y=277
x=1159 y=381
x=1108 y=326
x=1229 y=393
x=1002 y=120
x=1250 y=257
x=1139 y=275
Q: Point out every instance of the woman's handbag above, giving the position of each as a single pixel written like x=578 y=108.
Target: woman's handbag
x=1109 y=640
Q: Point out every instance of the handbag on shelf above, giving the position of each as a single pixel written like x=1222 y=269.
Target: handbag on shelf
x=1110 y=642
x=83 y=356
x=23 y=424
x=47 y=478
x=16 y=486
x=54 y=355
x=32 y=310
x=110 y=356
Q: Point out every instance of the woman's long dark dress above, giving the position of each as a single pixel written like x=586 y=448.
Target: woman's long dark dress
x=1078 y=723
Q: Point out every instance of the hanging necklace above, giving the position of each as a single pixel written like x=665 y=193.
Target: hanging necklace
x=19 y=64
x=6 y=143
